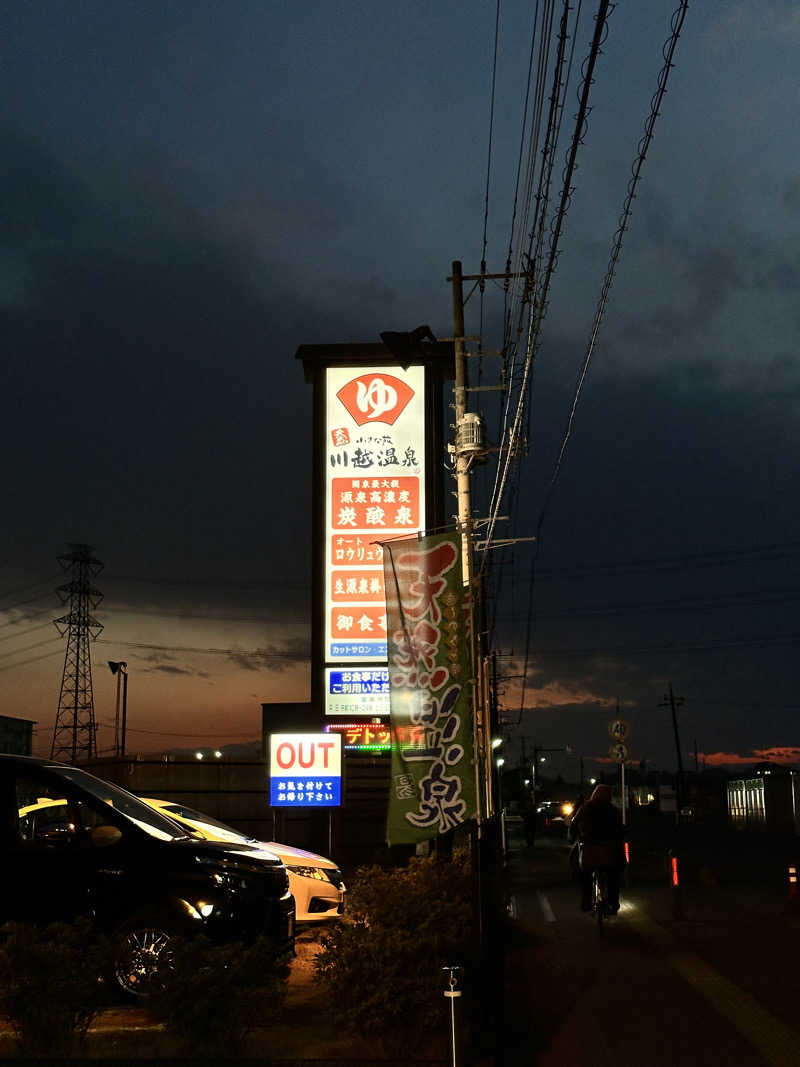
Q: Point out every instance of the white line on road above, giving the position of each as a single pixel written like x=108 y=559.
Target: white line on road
x=776 y=1041
x=548 y=911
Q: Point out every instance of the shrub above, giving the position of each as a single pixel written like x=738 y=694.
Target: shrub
x=383 y=969
x=214 y=994
x=50 y=984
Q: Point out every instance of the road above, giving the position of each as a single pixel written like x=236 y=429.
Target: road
x=713 y=984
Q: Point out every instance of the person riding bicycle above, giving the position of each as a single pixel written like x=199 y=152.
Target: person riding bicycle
x=599 y=829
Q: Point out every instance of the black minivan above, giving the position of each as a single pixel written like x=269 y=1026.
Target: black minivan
x=73 y=845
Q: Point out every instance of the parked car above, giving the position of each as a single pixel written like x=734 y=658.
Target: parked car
x=73 y=845
x=553 y=816
x=316 y=882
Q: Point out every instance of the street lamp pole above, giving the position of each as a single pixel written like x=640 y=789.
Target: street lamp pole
x=120 y=669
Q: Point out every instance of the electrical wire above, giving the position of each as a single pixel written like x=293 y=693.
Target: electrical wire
x=655 y=106
x=33 y=659
x=29 y=630
x=489 y=159
x=752 y=641
x=30 y=585
x=538 y=290
x=167 y=733
x=259 y=653
x=668 y=53
x=28 y=648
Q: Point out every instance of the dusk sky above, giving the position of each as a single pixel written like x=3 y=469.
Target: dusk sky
x=192 y=190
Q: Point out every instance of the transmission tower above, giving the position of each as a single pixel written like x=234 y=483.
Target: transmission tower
x=74 y=733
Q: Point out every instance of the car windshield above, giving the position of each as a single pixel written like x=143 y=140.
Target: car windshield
x=146 y=818
x=201 y=820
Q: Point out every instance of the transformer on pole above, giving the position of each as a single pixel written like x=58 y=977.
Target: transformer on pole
x=74 y=733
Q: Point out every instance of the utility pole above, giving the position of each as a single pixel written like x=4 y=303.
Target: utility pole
x=460 y=408
x=74 y=732
x=673 y=702
x=464 y=455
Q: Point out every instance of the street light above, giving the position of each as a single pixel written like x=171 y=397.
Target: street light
x=120 y=668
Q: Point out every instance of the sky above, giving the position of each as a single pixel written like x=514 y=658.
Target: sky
x=192 y=190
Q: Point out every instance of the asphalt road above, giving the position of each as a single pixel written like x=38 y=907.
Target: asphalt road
x=712 y=982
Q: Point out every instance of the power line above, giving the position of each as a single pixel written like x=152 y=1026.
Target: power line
x=23 y=633
x=33 y=659
x=28 y=648
x=167 y=733
x=31 y=585
x=208 y=583
x=723 y=600
x=255 y=652
x=668 y=52
x=755 y=641
x=23 y=603
x=689 y=561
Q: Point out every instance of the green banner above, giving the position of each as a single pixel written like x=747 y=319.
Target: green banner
x=433 y=769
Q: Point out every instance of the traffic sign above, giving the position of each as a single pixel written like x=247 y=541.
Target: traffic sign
x=619 y=729
x=619 y=752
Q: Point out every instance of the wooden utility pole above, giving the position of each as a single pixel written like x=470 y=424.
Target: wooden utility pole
x=673 y=702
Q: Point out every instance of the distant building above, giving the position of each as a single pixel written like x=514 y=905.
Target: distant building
x=768 y=800
x=16 y=735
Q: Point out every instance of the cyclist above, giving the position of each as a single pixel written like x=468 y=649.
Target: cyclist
x=599 y=829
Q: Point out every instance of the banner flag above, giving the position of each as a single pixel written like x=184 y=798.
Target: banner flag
x=433 y=769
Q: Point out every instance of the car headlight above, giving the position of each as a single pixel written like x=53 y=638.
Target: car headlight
x=228 y=881
x=307 y=872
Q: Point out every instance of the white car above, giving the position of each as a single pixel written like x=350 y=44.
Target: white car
x=315 y=882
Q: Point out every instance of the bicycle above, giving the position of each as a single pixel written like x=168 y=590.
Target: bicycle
x=600 y=905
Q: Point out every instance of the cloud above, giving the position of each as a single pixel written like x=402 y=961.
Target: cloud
x=747 y=21
x=275 y=658
x=784 y=755
x=167 y=669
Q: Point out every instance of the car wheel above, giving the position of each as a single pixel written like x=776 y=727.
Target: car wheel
x=142 y=957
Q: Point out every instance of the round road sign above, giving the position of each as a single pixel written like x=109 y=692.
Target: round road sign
x=619 y=752
x=619 y=729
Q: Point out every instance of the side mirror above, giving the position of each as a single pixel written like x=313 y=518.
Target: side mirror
x=103 y=836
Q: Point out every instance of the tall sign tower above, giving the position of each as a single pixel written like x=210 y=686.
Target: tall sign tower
x=74 y=733
x=378 y=463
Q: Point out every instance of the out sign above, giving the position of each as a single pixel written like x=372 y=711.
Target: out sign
x=305 y=770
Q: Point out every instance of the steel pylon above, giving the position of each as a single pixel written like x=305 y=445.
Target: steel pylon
x=74 y=734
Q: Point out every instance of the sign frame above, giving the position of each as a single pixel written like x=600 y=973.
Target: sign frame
x=306 y=781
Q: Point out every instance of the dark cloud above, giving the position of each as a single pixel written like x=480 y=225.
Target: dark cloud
x=193 y=193
x=791 y=196
x=168 y=669
x=649 y=463
x=173 y=402
x=275 y=658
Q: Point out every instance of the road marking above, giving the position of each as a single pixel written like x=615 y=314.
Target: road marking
x=548 y=911
x=777 y=1042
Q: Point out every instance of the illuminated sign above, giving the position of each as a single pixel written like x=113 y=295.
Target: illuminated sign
x=305 y=770
x=374 y=487
x=357 y=691
x=363 y=736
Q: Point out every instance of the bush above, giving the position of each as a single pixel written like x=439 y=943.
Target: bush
x=214 y=994
x=383 y=969
x=50 y=984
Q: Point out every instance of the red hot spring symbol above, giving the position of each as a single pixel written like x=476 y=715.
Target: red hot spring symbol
x=375 y=398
